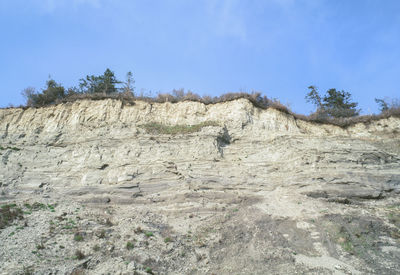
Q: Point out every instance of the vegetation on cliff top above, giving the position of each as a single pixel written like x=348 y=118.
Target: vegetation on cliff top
x=335 y=107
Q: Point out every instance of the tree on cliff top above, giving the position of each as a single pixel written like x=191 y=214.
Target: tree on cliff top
x=333 y=104
x=104 y=84
x=128 y=87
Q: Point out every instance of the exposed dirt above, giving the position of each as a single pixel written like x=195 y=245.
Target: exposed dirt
x=228 y=233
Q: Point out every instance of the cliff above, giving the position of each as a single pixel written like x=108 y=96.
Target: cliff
x=246 y=184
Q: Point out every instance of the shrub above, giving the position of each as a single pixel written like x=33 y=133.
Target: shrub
x=29 y=94
x=101 y=234
x=129 y=245
x=393 y=112
x=138 y=230
x=52 y=94
x=78 y=237
x=178 y=94
x=9 y=213
x=108 y=222
x=28 y=270
x=389 y=106
x=168 y=240
x=79 y=255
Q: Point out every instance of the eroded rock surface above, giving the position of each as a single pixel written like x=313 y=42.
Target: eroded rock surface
x=258 y=192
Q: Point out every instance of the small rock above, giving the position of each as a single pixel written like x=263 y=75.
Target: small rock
x=338 y=267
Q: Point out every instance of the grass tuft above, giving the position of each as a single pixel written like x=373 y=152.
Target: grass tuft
x=79 y=255
x=156 y=128
x=78 y=237
x=168 y=240
x=9 y=213
x=129 y=245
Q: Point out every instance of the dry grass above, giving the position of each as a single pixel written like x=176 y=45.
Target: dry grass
x=126 y=98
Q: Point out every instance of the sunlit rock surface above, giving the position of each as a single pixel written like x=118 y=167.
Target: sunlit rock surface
x=258 y=192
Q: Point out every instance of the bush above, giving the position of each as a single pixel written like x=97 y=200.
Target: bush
x=78 y=237
x=53 y=93
x=388 y=105
x=9 y=213
x=79 y=255
x=129 y=245
x=29 y=94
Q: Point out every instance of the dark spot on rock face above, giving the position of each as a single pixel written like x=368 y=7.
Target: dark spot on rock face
x=98 y=200
x=340 y=200
x=346 y=195
x=104 y=166
x=42 y=184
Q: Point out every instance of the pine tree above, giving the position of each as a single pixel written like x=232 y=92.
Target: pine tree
x=104 y=84
x=333 y=104
x=128 y=84
x=338 y=104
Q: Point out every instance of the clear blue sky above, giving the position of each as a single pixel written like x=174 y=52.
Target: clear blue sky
x=278 y=47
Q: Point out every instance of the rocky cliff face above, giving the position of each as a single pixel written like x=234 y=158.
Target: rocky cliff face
x=255 y=191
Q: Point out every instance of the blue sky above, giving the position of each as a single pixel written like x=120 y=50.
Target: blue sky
x=278 y=47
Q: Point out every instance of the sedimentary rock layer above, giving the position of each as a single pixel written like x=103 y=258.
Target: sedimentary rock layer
x=254 y=192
